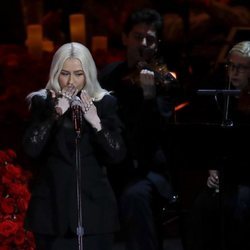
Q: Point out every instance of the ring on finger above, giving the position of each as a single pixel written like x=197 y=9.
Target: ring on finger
x=67 y=96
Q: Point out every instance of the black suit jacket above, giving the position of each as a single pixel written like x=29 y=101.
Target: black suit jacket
x=51 y=141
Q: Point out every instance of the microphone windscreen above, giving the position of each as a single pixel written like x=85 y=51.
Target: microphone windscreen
x=77 y=114
x=76 y=102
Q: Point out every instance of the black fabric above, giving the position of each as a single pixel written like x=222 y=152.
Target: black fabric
x=221 y=220
x=51 y=142
x=144 y=123
x=71 y=241
x=142 y=182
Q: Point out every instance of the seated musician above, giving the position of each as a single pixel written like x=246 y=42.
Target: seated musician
x=220 y=217
x=144 y=91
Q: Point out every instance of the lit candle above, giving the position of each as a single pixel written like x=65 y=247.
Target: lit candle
x=99 y=43
x=77 y=28
x=34 y=40
x=48 y=46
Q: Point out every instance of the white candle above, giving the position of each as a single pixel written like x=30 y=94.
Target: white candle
x=34 y=40
x=77 y=28
x=99 y=43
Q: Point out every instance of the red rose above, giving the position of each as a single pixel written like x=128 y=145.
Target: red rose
x=11 y=153
x=7 y=156
x=7 y=217
x=31 y=240
x=22 y=204
x=8 y=241
x=8 y=205
x=18 y=190
x=19 y=218
x=20 y=237
x=8 y=227
x=4 y=158
x=5 y=248
x=6 y=180
x=14 y=198
x=1 y=190
x=13 y=172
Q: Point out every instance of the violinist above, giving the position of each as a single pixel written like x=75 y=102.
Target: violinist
x=220 y=216
x=143 y=88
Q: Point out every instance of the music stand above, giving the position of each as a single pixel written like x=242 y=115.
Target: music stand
x=226 y=93
x=226 y=123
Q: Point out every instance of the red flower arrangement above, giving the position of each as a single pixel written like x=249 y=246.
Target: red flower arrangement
x=14 y=199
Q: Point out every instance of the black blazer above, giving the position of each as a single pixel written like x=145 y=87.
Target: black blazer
x=51 y=141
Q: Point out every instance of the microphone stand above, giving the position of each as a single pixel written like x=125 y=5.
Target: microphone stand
x=77 y=119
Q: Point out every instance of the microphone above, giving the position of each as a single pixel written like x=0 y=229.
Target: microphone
x=77 y=114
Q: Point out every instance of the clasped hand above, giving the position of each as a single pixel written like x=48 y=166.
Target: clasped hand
x=64 y=101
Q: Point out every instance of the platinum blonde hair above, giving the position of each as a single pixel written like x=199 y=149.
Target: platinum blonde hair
x=241 y=47
x=80 y=52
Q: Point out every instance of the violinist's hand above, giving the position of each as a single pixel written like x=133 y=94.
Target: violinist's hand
x=147 y=81
x=90 y=112
x=213 y=179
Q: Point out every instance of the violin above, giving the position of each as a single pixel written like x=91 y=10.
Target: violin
x=163 y=77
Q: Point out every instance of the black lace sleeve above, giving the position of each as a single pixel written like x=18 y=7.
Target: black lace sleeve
x=40 y=125
x=109 y=139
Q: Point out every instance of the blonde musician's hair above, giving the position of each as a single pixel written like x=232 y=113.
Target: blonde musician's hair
x=241 y=47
